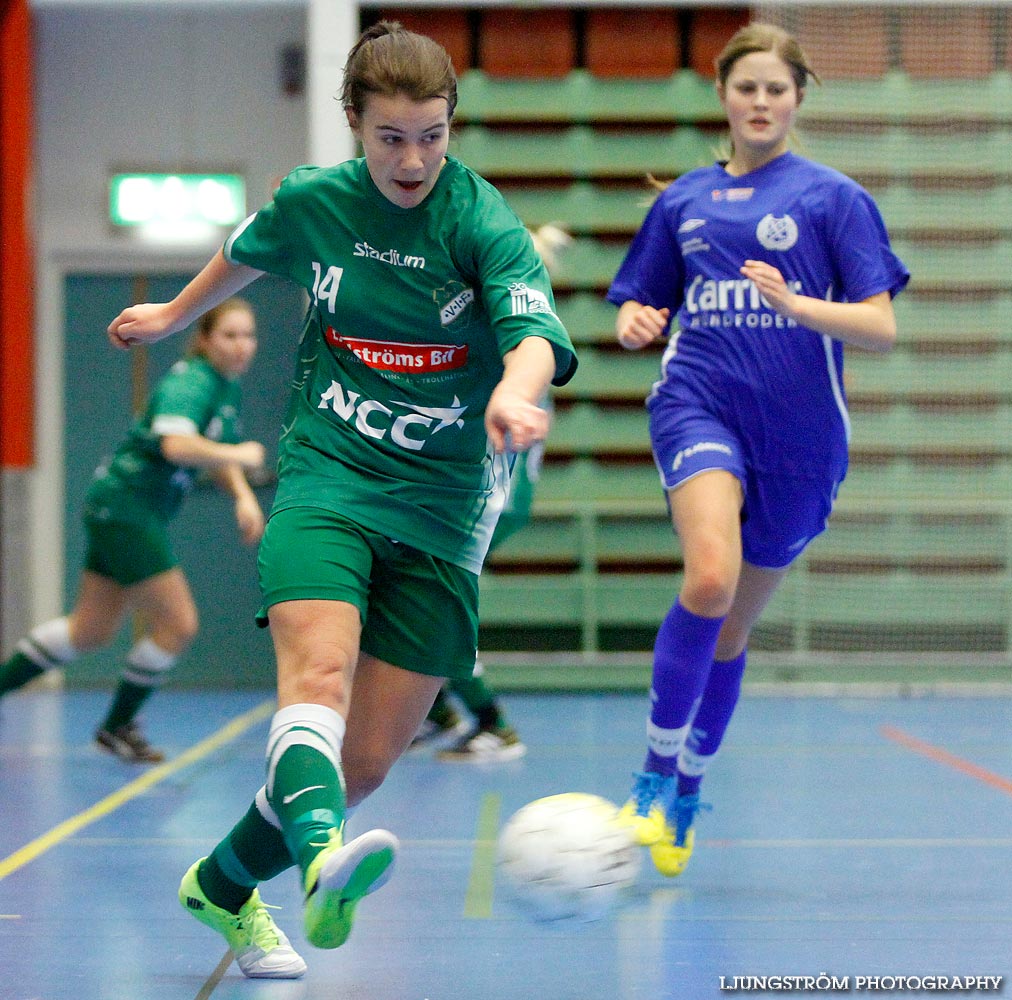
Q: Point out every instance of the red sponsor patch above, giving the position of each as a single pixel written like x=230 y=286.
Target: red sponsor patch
x=390 y=356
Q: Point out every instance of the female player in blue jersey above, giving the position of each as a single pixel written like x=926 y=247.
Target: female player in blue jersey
x=758 y=268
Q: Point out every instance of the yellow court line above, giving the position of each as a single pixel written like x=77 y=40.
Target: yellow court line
x=69 y=827
x=481 y=884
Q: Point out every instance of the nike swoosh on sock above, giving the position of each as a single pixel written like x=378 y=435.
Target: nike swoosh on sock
x=289 y=799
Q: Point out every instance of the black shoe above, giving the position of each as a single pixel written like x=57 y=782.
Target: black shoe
x=128 y=744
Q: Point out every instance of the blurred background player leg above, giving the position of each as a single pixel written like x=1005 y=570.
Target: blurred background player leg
x=490 y=737
x=442 y=722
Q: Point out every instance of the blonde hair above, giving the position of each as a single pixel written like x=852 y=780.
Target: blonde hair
x=389 y=60
x=550 y=241
x=762 y=37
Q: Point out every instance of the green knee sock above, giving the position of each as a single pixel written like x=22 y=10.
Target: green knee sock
x=441 y=711
x=17 y=671
x=480 y=700
x=308 y=797
x=126 y=703
x=254 y=851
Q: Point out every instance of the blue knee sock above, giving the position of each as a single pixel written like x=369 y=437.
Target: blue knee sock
x=683 y=653
x=715 y=710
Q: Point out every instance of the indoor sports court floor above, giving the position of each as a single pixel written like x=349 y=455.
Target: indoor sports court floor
x=849 y=837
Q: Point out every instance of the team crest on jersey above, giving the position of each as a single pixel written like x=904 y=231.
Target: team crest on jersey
x=391 y=356
x=777 y=234
x=453 y=301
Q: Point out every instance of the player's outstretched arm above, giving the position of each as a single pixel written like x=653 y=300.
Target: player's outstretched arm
x=513 y=409
x=153 y=321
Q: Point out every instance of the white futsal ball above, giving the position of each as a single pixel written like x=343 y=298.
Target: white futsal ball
x=566 y=857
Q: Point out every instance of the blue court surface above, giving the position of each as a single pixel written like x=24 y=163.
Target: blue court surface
x=850 y=837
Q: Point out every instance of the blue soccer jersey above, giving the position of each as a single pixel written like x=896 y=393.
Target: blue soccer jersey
x=777 y=385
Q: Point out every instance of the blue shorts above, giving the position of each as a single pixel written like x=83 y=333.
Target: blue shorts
x=780 y=514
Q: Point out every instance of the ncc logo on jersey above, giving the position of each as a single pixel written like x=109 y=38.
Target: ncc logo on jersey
x=406 y=424
x=777 y=234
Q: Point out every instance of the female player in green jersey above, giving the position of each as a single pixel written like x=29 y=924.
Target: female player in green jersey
x=430 y=338
x=191 y=423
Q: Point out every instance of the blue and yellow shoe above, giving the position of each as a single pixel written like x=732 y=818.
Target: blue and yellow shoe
x=671 y=854
x=643 y=814
x=338 y=877
x=260 y=947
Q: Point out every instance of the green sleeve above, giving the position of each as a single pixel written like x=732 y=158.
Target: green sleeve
x=515 y=287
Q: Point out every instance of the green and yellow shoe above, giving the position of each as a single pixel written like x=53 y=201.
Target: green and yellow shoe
x=260 y=947
x=338 y=877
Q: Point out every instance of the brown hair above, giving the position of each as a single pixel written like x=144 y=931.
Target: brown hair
x=388 y=59
x=207 y=323
x=762 y=37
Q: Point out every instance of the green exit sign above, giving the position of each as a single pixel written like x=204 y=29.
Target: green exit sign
x=147 y=199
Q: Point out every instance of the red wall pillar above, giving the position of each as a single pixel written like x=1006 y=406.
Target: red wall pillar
x=17 y=280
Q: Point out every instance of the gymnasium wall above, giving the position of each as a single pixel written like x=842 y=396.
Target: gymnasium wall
x=567 y=109
x=129 y=86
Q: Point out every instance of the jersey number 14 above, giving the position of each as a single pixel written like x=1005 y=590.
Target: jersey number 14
x=325 y=286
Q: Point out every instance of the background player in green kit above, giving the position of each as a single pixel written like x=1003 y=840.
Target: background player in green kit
x=492 y=738
x=191 y=423
x=430 y=338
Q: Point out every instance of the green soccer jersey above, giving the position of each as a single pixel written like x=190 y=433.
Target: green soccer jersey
x=411 y=311
x=192 y=398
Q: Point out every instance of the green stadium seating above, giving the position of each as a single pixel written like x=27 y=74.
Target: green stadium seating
x=588 y=317
x=600 y=482
x=911 y=430
x=580 y=151
x=968 y=319
x=583 y=429
x=896 y=151
x=590 y=264
x=978 y=268
x=899 y=99
x=905 y=373
x=957 y=213
x=913 y=539
x=586 y=208
x=923 y=479
x=877 y=573
x=613 y=375
x=581 y=98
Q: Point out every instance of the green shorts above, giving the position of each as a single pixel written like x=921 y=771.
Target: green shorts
x=128 y=553
x=418 y=612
